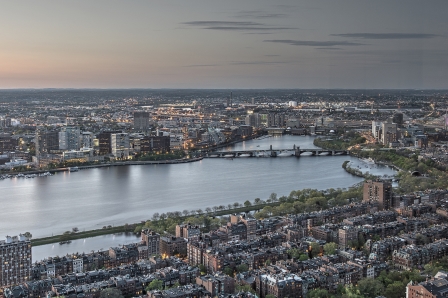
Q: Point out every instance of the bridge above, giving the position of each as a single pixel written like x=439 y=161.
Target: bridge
x=295 y=151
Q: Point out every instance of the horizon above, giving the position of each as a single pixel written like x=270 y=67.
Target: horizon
x=171 y=44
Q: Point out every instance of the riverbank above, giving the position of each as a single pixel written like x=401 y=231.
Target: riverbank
x=130 y=227
x=111 y=164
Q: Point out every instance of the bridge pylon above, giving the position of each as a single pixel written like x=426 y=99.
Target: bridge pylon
x=296 y=151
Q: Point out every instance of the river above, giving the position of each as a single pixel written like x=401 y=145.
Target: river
x=93 y=198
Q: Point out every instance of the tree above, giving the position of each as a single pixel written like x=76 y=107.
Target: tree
x=257 y=201
x=370 y=288
x=65 y=236
x=186 y=212
x=395 y=290
x=247 y=203
x=314 y=249
x=318 y=293
x=111 y=293
x=244 y=288
x=138 y=229
x=28 y=235
x=227 y=270
x=155 y=216
x=242 y=268
x=203 y=269
x=208 y=209
x=330 y=248
x=303 y=257
x=273 y=197
x=156 y=284
x=294 y=253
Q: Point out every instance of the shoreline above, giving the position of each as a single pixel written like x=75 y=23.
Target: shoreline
x=125 y=229
x=114 y=164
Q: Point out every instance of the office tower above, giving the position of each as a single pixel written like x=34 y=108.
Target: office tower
x=141 y=120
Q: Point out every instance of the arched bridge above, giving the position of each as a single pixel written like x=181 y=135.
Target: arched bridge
x=295 y=151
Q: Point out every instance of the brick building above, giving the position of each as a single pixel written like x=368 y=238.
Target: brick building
x=378 y=192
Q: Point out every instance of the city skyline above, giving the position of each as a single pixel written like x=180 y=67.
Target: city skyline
x=199 y=44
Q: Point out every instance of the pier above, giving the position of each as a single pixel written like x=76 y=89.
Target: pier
x=295 y=151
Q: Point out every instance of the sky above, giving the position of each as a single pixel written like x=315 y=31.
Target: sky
x=208 y=44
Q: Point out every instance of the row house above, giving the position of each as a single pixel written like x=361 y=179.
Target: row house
x=382 y=249
x=279 y=285
x=181 y=292
x=217 y=284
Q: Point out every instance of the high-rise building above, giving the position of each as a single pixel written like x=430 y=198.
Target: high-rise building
x=46 y=141
x=15 y=260
x=276 y=120
x=104 y=142
x=398 y=118
x=253 y=120
x=120 y=145
x=5 y=143
x=155 y=144
x=87 y=139
x=69 y=138
x=376 y=127
x=152 y=241
x=378 y=192
x=141 y=120
x=389 y=132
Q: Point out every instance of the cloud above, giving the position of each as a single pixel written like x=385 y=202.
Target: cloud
x=201 y=65
x=259 y=14
x=328 y=48
x=221 y=23
x=257 y=62
x=387 y=35
x=235 y=26
x=310 y=43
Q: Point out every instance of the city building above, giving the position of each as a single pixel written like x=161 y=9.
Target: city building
x=217 y=284
x=15 y=260
x=348 y=236
x=120 y=145
x=378 y=192
x=433 y=288
x=141 y=120
x=389 y=132
x=152 y=240
x=69 y=138
x=154 y=144
x=171 y=246
x=105 y=142
x=279 y=285
x=188 y=231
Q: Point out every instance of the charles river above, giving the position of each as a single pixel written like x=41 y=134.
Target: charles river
x=91 y=199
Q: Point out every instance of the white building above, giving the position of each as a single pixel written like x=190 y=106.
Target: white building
x=78 y=265
x=120 y=145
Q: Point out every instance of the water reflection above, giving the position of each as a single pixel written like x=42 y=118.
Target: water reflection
x=83 y=245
